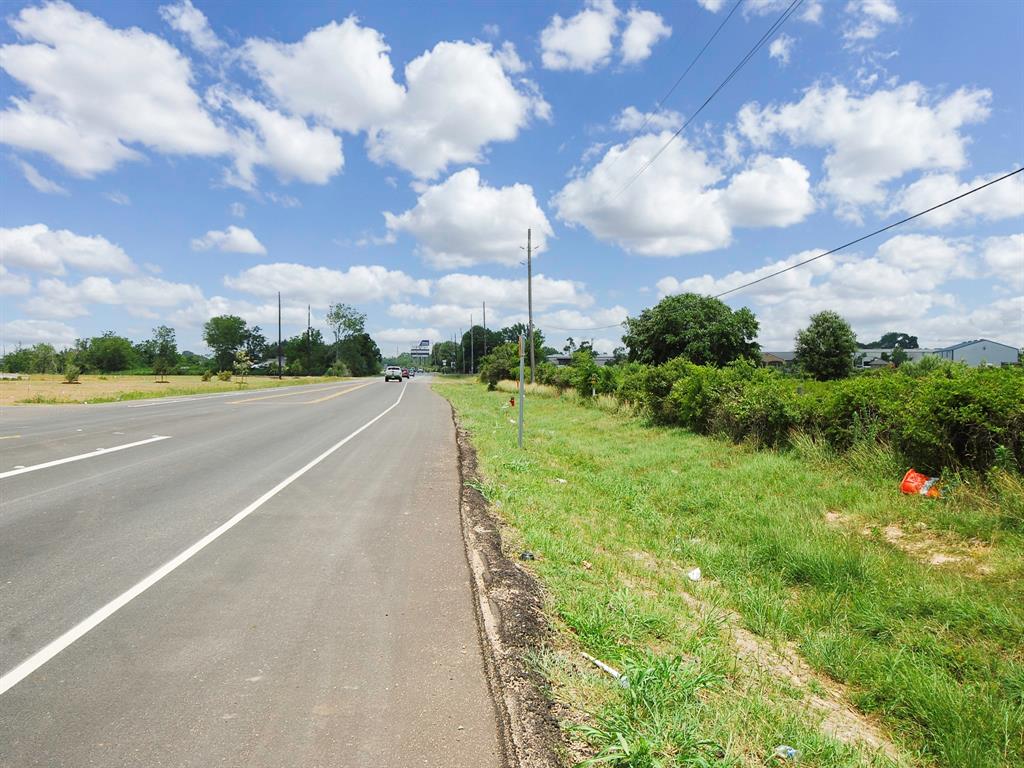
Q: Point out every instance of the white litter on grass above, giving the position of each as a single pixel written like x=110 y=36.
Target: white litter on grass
x=693 y=575
x=623 y=680
x=561 y=480
x=786 y=753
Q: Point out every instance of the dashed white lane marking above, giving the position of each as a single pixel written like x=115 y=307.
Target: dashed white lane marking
x=40 y=657
x=81 y=456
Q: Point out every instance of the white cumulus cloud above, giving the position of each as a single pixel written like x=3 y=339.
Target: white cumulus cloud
x=1005 y=259
x=585 y=42
x=678 y=205
x=582 y=42
x=458 y=288
x=321 y=286
x=463 y=221
x=781 y=48
x=872 y=139
x=341 y=74
x=1004 y=200
x=460 y=99
x=191 y=22
x=36 y=246
x=643 y=30
x=28 y=332
x=231 y=240
x=95 y=90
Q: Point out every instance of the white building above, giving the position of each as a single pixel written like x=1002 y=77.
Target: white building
x=980 y=352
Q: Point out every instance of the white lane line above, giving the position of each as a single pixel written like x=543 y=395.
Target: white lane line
x=40 y=657
x=81 y=456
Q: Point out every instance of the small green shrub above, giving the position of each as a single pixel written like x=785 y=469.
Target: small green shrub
x=207 y=375
x=224 y=375
x=72 y=373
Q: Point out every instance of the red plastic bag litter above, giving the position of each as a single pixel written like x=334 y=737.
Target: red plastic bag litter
x=916 y=483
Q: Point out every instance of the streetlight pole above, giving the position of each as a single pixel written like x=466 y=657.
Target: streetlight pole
x=279 y=335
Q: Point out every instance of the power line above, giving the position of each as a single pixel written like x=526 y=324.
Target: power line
x=790 y=10
x=961 y=196
x=661 y=102
x=871 y=234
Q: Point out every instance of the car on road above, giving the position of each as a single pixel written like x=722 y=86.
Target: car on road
x=405 y=373
x=392 y=372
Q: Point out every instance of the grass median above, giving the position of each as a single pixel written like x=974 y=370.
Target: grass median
x=43 y=389
x=832 y=614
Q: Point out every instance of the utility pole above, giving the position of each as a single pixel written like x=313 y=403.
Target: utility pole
x=485 y=329
x=279 y=335
x=463 y=351
x=472 y=353
x=529 y=298
x=309 y=338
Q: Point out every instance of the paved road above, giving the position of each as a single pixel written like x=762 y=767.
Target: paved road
x=330 y=623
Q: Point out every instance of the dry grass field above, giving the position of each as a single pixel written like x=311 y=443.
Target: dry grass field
x=43 y=389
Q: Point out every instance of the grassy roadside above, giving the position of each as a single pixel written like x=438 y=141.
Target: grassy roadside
x=52 y=389
x=821 y=586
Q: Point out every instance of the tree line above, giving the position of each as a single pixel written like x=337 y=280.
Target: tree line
x=351 y=353
x=706 y=331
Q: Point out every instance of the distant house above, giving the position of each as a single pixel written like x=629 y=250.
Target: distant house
x=980 y=352
x=777 y=359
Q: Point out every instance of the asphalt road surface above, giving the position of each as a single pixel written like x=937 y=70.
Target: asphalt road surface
x=268 y=578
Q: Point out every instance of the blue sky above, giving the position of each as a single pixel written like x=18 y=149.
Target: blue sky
x=164 y=163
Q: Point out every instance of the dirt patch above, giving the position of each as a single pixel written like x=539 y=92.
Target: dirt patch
x=840 y=719
x=509 y=606
x=923 y=545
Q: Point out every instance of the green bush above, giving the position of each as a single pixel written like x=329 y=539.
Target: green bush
x=72 y=373
x=935 y=414
x=224 y=375
x=965 y=416
x=207 y=375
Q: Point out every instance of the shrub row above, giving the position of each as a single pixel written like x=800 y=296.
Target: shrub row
x=937 y=415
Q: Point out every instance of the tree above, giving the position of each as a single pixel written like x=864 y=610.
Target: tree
x=899 y=356
x=256 y=345
x=826 y=347
x=44 y=359
x=892 y=340
x=165 y=344
x=702 y=329
x=110 y=352
x=500 y=363
x=512 y=332
x=444 y=354
x=474 y=350
x=19 y=361
x=345 y=320
x=242 y=365
x=224 y=334
x=360 y=354
x=307 y=353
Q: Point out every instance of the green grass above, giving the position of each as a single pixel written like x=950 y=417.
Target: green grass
x=797 y=547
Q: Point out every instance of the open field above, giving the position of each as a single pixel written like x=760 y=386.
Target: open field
x=832 y=614
x=41 y=388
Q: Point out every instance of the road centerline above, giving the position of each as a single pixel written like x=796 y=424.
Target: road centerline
x=335 y=394
x=80 y=457
x=40 y=657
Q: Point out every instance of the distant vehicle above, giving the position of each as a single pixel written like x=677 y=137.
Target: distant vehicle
x=412 y=372
x=392 y=372
x=405 y=373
